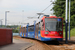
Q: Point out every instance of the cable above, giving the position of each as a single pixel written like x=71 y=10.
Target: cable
x=47 y=7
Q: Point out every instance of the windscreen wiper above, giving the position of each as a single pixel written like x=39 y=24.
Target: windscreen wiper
x=47 y=29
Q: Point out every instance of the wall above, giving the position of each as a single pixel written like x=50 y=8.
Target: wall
x=5 y=36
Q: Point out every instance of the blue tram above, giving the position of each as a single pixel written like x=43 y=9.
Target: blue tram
x=49 y=28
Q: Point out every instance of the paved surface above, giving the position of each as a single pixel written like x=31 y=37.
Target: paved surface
x=17 y=45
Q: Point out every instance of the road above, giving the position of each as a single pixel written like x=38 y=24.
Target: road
x=17 y=45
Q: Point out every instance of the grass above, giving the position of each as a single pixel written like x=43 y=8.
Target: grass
x=72 y=32
x=31 y=42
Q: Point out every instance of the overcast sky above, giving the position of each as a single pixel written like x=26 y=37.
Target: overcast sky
x=16 y=7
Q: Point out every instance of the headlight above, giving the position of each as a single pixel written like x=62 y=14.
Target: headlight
x=60 y=33
x=46 y=32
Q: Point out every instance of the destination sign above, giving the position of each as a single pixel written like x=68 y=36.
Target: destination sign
x=51 y=19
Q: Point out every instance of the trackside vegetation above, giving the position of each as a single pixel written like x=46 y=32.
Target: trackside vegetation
x=59 y=11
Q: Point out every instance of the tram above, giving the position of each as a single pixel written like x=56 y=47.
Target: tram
x=47 y=29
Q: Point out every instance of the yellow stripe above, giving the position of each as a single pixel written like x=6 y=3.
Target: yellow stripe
x=37 y=36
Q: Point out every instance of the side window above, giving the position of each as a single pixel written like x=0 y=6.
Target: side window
x=42 y=25
x=39 y=25
x=20 y=30
x=24 y=30
x=36 y=30
x=31 y=28
x=28 y=29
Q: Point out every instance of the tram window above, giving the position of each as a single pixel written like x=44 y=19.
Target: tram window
x=31 y=28
x=36 y=28
x=36 y=31
x=39 y=26
x=42 y=25
x=24 y=30
x=20 y=29
x=28 y=29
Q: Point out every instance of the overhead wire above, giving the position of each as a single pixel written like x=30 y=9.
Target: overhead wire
x=46 y=7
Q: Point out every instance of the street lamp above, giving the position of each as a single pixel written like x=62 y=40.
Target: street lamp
x=22 y=15
x=1 y=22
x=6 y=17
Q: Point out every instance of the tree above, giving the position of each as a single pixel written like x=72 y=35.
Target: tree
x=59 y=10
x=72 y=21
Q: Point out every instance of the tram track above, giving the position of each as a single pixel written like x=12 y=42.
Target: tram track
x=46 y=47
x=50 y=45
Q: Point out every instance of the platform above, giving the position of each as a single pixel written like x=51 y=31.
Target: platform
x=17 y=45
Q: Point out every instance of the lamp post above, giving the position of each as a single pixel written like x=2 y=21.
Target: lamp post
x=1 y=22
x=22 y=15
x=6 y=17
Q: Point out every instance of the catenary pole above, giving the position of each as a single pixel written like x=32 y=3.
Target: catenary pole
x=6 y=17
x=69 y=17
x=66 y=40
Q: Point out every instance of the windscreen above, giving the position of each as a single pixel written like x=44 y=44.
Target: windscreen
x=53 y=24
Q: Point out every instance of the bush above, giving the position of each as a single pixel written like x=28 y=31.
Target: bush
x=15 y=31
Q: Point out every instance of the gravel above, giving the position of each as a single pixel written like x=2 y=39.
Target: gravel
x=38 y=45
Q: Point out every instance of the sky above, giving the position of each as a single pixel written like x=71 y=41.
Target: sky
x=19 y=10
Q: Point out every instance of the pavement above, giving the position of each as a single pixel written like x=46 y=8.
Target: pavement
x=17 y=45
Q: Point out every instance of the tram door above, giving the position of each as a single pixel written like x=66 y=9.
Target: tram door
x=36 y=31
x=22 y=31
